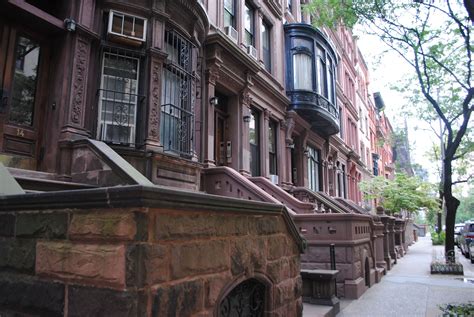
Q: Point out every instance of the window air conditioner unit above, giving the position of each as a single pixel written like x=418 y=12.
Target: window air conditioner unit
x=252 y=51
x=127 y=26
x=232 y=33
x=274 y=179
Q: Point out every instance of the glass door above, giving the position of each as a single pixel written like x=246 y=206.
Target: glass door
x=23 y=87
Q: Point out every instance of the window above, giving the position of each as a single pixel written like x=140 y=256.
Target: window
x=314 y=169
x=341 y=123
x=341 y=180
x=331 y=82
x=25 y=76
x=302 y=71
x=289 y=5
x=272 y=147
x=375 y=163
x=177 y=110
x=322 y=72
x=254 y=136
x=229 y=13
x=266 y=46
x=118 y=98
x=127 y=25
x=249 y=25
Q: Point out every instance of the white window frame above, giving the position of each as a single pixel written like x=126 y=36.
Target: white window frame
x=102 y=130
x=118 y=13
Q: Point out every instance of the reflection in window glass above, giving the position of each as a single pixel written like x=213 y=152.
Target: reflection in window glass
x=313 y=169
x=254 y=143
x=266 y=47
x=272 y=151
x=229 y=13
x=302 y=70
x=24 y=81
x=248 y=24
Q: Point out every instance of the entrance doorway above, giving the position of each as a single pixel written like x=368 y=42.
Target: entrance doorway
x=23 y=83
x=222 y=144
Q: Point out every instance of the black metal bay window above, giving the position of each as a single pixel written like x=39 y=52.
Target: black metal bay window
x=311 y=68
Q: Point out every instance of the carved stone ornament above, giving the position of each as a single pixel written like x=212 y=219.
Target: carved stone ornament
x=290 y=125
x=80 y=74
x=212 y=75
x=154 y=119
x=245 y=97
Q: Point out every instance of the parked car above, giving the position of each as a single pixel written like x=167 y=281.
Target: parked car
x=466 y=237
x=457 y=232
x=471 y=251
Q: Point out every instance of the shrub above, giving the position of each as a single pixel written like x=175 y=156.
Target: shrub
x=438 y=239
x=464 y=309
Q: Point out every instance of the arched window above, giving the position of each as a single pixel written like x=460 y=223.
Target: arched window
x=246 y=299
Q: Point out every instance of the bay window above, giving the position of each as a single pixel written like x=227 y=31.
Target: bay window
x=302 y=71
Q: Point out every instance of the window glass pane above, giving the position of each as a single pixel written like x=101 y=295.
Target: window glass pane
x=117 y=23
x=229 y=5
x=24 y=81
x=254 y=135
x=139 y=26
x=128 y=25
x=302 y=70
x=118 y=99
x=313 y=168
x=248 y=24
x=272 y=134
x=266 y=47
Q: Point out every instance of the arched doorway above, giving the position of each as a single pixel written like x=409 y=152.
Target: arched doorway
x=246 y=299
x=367 y=272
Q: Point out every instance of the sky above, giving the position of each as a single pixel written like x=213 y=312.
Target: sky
x=387 y=67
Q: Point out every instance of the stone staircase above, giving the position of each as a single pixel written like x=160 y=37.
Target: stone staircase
x=34 y=181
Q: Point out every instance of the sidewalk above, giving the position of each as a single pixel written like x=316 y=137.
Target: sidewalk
x=410 y=290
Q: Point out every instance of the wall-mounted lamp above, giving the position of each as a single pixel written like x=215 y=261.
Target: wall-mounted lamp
x=246 y=118
x=70 y=25
x=214 y=101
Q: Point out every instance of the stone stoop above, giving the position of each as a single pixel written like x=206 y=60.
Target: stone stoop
x=144 y=251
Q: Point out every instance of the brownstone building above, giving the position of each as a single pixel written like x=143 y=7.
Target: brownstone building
x=174 y=101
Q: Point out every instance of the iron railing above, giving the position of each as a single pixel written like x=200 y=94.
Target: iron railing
x=177 y=129
x=118 y=116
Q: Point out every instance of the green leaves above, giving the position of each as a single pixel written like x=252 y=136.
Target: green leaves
x=403 y=193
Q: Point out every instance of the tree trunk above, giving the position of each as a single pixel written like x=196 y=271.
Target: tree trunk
x=452 y=204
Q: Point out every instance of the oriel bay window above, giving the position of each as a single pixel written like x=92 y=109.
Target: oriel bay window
x=177 y=109
x=118 y=97
x=302 y=69
x=311 y=61
x=314 y=169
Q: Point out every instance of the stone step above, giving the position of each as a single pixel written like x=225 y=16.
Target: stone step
x=30 y=184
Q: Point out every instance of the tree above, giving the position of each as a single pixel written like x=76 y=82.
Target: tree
x=403 y=193
x=434 y=38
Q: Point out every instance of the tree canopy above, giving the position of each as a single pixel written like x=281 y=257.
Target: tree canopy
x=403 y=193
x=434 y=38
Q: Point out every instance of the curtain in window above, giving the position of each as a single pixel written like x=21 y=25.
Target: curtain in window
x=302 y=70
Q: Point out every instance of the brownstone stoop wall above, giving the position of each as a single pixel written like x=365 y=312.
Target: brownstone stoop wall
x=143 y=251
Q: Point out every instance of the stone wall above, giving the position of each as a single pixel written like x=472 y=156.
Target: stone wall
x=138 y=251
x=352 y=236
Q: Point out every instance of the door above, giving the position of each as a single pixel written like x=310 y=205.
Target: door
x=22 y=87
x=220 y=146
